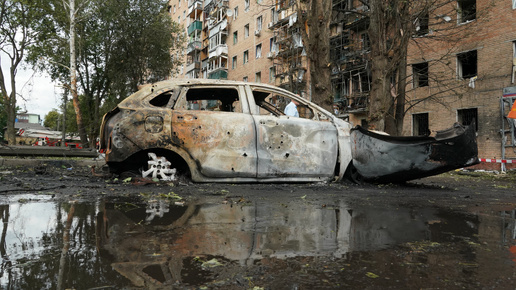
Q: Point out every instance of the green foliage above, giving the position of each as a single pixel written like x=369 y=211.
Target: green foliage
x=120 y=44
x=52 y=119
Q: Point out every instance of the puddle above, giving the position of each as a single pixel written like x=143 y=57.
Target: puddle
x=156 y=244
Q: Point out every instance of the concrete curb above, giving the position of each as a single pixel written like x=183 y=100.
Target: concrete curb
x=7 y=162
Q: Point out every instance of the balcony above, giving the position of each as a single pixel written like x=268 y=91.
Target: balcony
x=218 y=51
x=353 y=104
x=193 y=45
x=196 y=65
x=219 y=74
x=197 y=4
x=196 y=25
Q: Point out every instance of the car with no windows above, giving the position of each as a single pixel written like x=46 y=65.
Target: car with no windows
x=225 y=131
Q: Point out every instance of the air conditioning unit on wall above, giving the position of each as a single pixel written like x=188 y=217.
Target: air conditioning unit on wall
x=257 y=32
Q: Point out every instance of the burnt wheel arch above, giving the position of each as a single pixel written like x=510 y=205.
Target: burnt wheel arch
x=139 y=161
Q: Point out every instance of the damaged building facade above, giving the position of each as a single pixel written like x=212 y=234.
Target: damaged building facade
x=470 y=77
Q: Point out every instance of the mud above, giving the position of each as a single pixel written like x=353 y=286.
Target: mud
x=455 y=230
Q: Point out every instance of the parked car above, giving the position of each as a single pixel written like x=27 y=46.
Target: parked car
x=225 y=131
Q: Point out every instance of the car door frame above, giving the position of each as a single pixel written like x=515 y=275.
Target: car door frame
x=291 y=147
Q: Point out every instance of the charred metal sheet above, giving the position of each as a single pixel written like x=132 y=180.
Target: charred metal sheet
x=223 y=144
x=384 y=159
x=295 y=147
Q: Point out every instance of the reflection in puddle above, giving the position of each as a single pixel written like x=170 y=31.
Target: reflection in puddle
x=156 y=244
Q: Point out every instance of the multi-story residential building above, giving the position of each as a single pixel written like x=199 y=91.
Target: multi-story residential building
x=242 y=40
x=469 y=77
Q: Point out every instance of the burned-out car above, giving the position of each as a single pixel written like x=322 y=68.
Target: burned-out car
x=225 y=131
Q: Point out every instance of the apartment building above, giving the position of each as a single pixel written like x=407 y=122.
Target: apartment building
x=470 y=77
x=242 y=40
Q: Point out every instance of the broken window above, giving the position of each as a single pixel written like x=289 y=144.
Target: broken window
x=259 y=51
x=420 y=124
x=421 y=24
x=161 y=100
x=259 y=22
x=270 y=103
x=272 y=74
x=467 y=64
x=420 y=74
x=210 y=99
x=246 y=31
x=246 y=56
x=467 y=10
x=234 y=64
x=467 y=116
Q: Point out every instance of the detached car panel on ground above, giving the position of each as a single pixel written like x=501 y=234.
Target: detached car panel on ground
x=382 y=158
x=226 y=131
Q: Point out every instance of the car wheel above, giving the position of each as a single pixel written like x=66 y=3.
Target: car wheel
x=353 y=175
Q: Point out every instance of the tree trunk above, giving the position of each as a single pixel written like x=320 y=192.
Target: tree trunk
x=10 y=106
x=400 y=96
x=316 y=38
x=73 y=78
x=320 y=53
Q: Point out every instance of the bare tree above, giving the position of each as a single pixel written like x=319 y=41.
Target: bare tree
x=16 y=35
x=395 y=26
x=314 y=22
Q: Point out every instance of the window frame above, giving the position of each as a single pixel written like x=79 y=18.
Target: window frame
x=461 y=64
x=420 y=122
x=420 y=75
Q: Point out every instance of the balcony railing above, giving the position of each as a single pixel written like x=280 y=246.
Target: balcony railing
x=193 y=45
x=219 y=50
x=355 y=103
x=196 y=25
x=193 y=66
x=194 y=2
x=220 y=74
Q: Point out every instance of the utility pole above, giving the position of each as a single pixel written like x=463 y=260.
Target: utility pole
x=73 y=78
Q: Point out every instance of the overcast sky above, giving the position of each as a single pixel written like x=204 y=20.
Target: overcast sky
x=40 y=94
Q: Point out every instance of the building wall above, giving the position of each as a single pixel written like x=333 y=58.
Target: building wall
x=492 y=35
x=262 y=37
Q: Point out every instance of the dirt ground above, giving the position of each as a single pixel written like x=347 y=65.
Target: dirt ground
x=448 y=259
x=458 y=188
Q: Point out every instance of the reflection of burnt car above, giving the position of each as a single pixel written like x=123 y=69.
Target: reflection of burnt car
x=226 y=131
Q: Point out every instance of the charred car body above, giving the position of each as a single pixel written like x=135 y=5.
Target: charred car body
x=228 y=131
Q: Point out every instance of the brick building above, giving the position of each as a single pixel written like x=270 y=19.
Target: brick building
x=469 y=77
x=242 y=40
